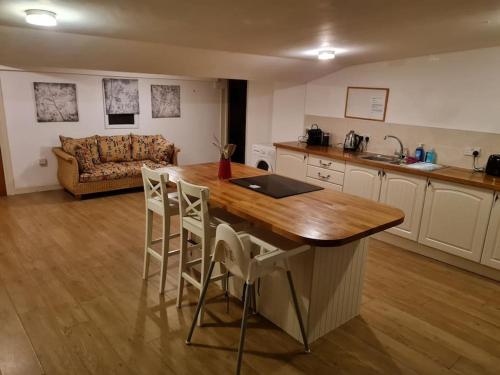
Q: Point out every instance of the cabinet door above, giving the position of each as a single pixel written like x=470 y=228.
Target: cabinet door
x=455 y=218
x=491 y=252
x=291 y=164
x=406 y=193
x=361 y=181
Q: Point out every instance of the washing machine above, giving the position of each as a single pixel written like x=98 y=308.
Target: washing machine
x=264 y=157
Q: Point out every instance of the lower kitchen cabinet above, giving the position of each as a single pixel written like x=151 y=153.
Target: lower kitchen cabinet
x=291 y=164
x=455 y=219
x=491 y=252
x=361 y=181
x=406 y=193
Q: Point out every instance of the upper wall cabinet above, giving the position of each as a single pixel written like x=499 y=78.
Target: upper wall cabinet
x=406 y=193
x=491 y=252
x=455 y=219
x=361 y=181
x=291 y=164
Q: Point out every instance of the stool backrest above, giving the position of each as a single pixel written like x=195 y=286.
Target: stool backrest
x=230 y=250
x=155 y=184
x=193 y=202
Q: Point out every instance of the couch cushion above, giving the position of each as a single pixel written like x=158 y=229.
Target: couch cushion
x=112 y=171
x=163 y=151
x=114 y=148
x=69 y=145
x=142 y=146
x=84 y=158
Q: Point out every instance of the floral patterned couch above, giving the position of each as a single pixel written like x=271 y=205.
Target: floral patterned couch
x=103 y=163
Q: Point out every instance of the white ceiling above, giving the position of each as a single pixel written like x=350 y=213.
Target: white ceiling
x=278 y=32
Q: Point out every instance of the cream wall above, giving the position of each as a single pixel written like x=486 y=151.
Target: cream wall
x=288 y=112
x=29 y=141
x=447 y=101
x=453 y=91
x=259 y=115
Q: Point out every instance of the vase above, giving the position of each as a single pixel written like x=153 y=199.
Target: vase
x=224 y=169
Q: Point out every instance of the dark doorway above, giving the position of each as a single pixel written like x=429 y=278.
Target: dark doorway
x=237 y=116
x=3 y=189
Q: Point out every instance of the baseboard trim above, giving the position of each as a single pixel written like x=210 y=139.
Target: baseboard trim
x=439 y=255
x=36 y=189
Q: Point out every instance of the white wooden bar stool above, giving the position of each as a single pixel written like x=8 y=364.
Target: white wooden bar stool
x=196 y=218
x=165 y=204
x=234 y=251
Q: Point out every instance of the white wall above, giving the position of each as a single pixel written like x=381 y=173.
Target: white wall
x=453 y=91
x=259 y=115
x=30 y=141
x=288 y=112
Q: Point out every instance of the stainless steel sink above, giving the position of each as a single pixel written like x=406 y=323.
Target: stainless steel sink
x=383 y=159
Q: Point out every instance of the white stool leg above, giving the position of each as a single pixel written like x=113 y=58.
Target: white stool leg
x=182 y=264
x=165 y=249
x=205 y=263
x=148 y=242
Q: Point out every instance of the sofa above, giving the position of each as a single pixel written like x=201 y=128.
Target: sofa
x=105 y=163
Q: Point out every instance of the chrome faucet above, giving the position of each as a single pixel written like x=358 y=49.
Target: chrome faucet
x=401 y=152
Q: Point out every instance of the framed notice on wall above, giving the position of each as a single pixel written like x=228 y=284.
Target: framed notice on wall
x=367 y=103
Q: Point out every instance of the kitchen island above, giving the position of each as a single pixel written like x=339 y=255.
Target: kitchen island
x=329 y=277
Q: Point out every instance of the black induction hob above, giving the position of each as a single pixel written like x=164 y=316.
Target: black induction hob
x=275 y=186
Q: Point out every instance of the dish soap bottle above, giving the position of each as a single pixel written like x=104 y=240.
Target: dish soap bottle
x=430 y=156
x=419 y=152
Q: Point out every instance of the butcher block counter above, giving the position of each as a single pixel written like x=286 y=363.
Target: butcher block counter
x=451 y=174
x=328 y=277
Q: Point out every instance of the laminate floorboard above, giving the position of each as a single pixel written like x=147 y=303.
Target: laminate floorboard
x=72 y=301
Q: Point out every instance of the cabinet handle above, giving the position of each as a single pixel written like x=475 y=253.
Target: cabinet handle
x=323 y=164
x=429 y=184
x=323 y=177
x=305 y=157
x=497 y=196
x=384 y=174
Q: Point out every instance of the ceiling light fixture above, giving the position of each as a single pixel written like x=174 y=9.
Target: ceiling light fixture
x=40 y=17
x=326 y=54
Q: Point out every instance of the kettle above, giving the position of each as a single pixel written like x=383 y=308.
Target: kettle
x=493 y=165
x=352 y=141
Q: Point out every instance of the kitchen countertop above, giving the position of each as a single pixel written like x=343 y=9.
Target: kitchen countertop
x=451 y=174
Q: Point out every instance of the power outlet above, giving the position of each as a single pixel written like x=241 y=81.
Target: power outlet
x=469 y=151
x=43 y=162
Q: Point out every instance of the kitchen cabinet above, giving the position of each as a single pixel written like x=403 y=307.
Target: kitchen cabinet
x=362 y=181
x=407 y=193
x=323 y=184
x=491 y=252
x=291 y=164
x=455 y=218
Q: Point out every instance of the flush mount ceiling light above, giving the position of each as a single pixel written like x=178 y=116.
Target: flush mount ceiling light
x=40 y=17
x=326 y=54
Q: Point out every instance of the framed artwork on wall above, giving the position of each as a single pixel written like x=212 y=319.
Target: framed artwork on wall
x=366 y=103
x=165 y=101
x=55 y=102
x=121 y=103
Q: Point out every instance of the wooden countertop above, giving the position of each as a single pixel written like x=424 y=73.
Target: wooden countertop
x=451 y=174
x=321 y=218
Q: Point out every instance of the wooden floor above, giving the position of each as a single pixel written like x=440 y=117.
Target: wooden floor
x=72 y=301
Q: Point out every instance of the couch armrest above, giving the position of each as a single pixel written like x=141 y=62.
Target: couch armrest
x=175 y=160
x=67 y=169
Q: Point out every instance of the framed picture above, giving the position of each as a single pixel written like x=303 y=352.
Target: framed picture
x=55 y=102
x=366 y=103
x=121 y=103
x=165 y=101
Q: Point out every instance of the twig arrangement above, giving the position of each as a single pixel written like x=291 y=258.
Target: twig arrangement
x=226 y=151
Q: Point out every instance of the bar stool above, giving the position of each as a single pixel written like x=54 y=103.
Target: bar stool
x=197 y=219
x=165 y=204
x=233 y=250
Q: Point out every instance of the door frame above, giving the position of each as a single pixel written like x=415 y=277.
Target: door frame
x=4 y=145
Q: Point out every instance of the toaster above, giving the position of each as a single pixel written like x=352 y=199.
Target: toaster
x=493 y=165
